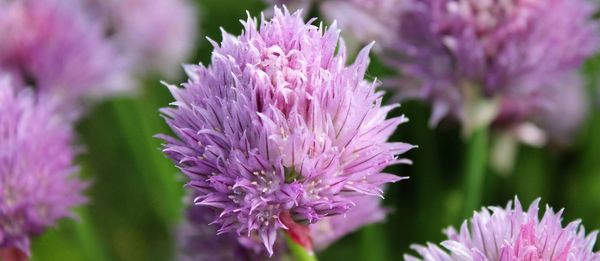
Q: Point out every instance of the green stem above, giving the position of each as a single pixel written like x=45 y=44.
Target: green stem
x=88 y=237
x=428 y=182
x=165 y=172
x=531 y=175
x=475 y=166
x=158 y=178
x=373 y=243
x=298 y=252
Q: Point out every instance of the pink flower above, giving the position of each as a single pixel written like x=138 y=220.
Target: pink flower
x=279 y=125
x=510 y=234
x=53 y=46
x=37 y=182
x=515 y=52
x=156 y=35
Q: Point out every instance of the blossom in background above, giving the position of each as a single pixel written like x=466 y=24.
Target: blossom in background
x=330 y=229
x=199 y=241
x=278 y=126
x=156 y=35
x=516 y=52
x=512 y=233
x=37 y=182
x=55 y=47
x=571 y=103
x=363 y=21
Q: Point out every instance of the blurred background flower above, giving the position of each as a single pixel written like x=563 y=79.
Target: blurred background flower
x=331 y=229
x=37 y=173
x=515 y=52
x=156 y=35
x=53 y=46
x=64 y=55
x=361 y=21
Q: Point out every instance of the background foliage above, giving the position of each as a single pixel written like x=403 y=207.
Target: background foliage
x=136 y=197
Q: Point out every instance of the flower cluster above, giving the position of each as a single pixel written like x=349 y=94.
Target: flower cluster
x=513 y=234
x=36 y=167
x=364 y=20
x=279 y=125
x=59 y=54
x=53 y=46
x=361 y=20
x=518 y=52
x=155 y=35
x=85 y=50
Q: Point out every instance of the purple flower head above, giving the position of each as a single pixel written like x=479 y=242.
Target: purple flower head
x=279 y=125
x=516 y=51
x=511 y=233
x=157 y=35
x=37 y=186
x=54 y=46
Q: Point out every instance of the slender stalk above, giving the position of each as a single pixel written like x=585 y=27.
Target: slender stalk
x=531 y=175
x=159 y=179
x=475 y=164
x=428 y=181
x=88 y=237
x=591 y=151
x=373 y=243
x=590 y=154
x=165 y=172
x=298 y=252
x=586 y=171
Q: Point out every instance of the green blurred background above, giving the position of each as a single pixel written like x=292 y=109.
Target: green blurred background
x=136 y=198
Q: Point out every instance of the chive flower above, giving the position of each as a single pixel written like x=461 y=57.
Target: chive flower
x=279 y=126
x=56 y=47
x=155 y=35
x=512 y=233
x=515 y=53
x=37 y=175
